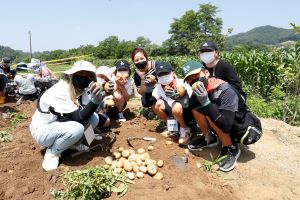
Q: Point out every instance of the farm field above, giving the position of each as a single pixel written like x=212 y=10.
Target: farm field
x=268 y=169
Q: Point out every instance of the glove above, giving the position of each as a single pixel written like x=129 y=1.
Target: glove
x=201 y=94
x=109 y=87
x=96 y=92
x=172 y=93
x=150 y=83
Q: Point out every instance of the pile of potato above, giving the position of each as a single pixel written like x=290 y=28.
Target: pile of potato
x=134 y=163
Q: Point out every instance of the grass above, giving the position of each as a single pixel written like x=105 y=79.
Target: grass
x=208 y=165
x=16 y=118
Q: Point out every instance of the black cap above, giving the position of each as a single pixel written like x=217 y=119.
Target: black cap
x=122 y=64
x=208 y=45
x=6 y=60
x=162 y=67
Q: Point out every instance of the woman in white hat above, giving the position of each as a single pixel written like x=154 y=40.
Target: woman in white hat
x=59 y=121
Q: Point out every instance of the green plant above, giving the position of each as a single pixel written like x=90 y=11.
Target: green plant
x=5 y=137
x=16 y=118
x=208 y=165
x=92 y=183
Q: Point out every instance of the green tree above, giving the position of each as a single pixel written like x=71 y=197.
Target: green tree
x=193 y=28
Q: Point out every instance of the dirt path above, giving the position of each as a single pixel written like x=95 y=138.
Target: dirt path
x=269 y=169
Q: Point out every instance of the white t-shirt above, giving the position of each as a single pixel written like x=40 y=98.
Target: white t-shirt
x=59 y=98
x=25 y=85
x=159 y=92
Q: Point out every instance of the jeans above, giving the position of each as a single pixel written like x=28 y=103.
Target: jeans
x=59 y=136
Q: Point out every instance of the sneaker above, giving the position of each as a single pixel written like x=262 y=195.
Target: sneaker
x=232 y=154
x=121 y=117
x=199 y=142
x=98 y=137
x=51 y=160
x=185 y=135
x=80 y=147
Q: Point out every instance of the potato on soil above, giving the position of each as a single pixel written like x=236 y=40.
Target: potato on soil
x=150 y=148
x=108 y=160
x=127 y=166
x=140 y=174
x=160 y=163
x=130 y=175
x=158 y=176
x=141 y=150
x=117 y=155
x=125 y=153
x=152 y=169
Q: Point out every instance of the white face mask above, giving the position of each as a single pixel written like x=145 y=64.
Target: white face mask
x=165 y=80
x=207 y=57
x=100 y=80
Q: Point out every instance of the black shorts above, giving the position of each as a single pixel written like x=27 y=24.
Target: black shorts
x=102 y=119
x=113 y=112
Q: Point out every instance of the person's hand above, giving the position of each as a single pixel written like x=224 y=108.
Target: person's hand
x=150 y=82
x=171 y=93
x=109 y=87
x=96 y=92
x=121 y=81
x=201 y=93
x=9 y=75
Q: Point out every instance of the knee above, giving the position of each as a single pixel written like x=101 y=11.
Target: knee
x=77 y=130
x=94 y=120
x=159 y=105
x=107 y=123
x=177 y=109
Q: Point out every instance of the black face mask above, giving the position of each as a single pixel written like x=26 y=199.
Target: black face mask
x=141 y=65
x=204 y=80
x=80 y=82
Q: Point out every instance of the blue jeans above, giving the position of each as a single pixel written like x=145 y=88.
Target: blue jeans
x=59 y=136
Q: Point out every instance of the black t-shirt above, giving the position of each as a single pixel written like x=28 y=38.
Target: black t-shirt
x=137 y=78
x=226 y=72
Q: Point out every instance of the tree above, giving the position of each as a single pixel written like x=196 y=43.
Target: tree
x=193 y=28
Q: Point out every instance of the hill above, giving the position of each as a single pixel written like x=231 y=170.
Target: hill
x=263 y=35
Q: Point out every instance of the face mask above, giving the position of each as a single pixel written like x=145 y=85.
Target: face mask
x=207 y=57
x=165 y=80
x=100 y=80
x=141 y=65
x=124 y=74
x=204 y=80
x=80 y=82
x=37 y=68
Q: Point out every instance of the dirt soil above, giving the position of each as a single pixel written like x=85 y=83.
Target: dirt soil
x=269 y=169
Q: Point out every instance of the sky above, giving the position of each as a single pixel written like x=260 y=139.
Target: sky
x=66 y=24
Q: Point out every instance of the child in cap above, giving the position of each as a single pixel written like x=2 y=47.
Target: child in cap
x=167 y=101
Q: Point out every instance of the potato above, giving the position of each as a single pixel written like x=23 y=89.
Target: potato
x=146 y=154
x=140 y=174
x=110 y=103
x=138 y=161
x=181 y=91
x=169 y=142
x=136 y=168
x=151 y=79
x=150 y=148
x=131 y=151
x=120 y=149
x=106 y=87
x=117 y=155
x=160 y=163
x=125 y=153
x=143 y=169
x=158 y=176
x=148 y=161
x=132 y=157
x=152 y=169
x=120 y=164
x=108 y=160
x=118 y=170
x=106 y=166
x=130 y=175
x=127 y=166
x=142 y=157
x=141 y=151
x=195 y=84
x=114 y=164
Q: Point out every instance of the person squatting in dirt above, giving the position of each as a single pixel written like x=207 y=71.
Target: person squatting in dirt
x=209 y=55
x=218 y=108
x=30 y=86
x=59 y=121
x=6 y=76
x=166 y=102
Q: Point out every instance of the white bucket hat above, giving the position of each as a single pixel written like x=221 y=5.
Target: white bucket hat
x=82 y=65
x=106 y=71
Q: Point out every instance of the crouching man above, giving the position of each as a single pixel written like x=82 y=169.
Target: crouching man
x=218 y=107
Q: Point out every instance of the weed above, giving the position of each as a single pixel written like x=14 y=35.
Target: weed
x=16 y=118
x=208 y=165
x=5 y=137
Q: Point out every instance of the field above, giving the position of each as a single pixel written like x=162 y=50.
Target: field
x=268 y=169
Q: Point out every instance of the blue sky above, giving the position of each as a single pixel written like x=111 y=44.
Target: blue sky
x=65 y=24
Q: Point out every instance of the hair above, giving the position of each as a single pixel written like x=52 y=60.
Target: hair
x=138 y=50
x=71 y=89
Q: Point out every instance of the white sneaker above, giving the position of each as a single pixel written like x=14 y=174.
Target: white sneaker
x=121 y=117
x=98 y=137
x=185 y=135
x=51 y=160
x=80 y=147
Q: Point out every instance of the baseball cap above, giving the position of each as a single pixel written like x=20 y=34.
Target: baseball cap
x=191 y=67
x=122 y=64
x=82 y=65
x=161 y=67
x=6 y=60
x=104 y=70
x=208 y=45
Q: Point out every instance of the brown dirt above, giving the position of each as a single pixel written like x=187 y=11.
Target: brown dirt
x=266 y=170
